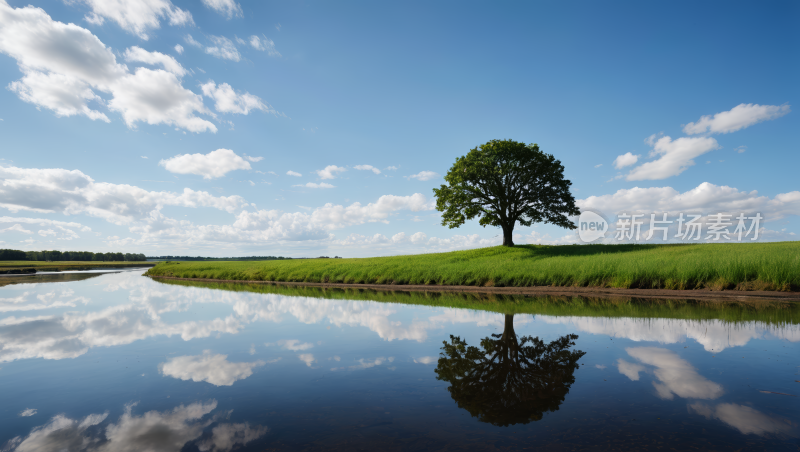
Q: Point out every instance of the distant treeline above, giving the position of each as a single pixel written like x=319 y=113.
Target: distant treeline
x=200 y=258
x=19 y=255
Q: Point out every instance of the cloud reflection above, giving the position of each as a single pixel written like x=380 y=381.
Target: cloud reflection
x=214 y=369
x=713 y=335
x=743 y=418
x=676 y=375
x=167 y=431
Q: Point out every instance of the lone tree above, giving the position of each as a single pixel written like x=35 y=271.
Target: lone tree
x=504 y=182
x=509 y=379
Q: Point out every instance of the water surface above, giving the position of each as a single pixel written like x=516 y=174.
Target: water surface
x=122 y=362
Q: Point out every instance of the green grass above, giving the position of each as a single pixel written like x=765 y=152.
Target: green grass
x=769 y=312
x=762 y=266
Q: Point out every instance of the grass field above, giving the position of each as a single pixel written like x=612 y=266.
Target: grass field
x=769 y=312
x=751 y=266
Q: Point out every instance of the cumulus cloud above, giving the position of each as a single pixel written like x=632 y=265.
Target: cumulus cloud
x=213 y=165
x=264 y=44
x=316 y=185
x=675 y=156
x=706 y=197
x=72 y=192
x=28 y=412
x=368 y=168
x=170 y=64
x=227 y=8
x=137 y=16
x=229 y=101
x=223 y=48
x=330 y=172
x=153 y=431
x=178 y=48
x=293 y=173
x=64 y=67
x=214 y=369
x=626 y=159
x=424 y=175
x=737 y=118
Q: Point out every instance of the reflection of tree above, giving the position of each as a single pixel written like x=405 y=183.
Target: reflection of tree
x=512 y=380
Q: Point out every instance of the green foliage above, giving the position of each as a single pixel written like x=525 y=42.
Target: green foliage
x=504 y=182
x=763 y=266
x=55 y=255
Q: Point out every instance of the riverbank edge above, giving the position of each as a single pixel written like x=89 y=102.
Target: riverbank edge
x=33 y=269
x=597 y=292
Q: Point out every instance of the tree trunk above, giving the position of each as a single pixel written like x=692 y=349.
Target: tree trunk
x=507 y=240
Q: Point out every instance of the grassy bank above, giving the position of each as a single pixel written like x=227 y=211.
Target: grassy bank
x=751 y=266
x=769 y=312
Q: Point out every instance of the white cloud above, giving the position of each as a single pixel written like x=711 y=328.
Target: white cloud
x=391 y=168
x=157 y=97
x=424 y=175
x=137 y=16
x=676 y=375
x=307 y=358
x=214 y=369
x=223 y=48
x=706 y=197
x=599 y=165
x=426 y=360
x=741 y=149
x=368 y=168
x=316 y=185
x=253 y=159
x=169 y=63
x=228 y=8
x=675 y=156
x=743 y=418
x=265 y=45
x=64 y=66
x=228 y=101
x=293 y=173
x=16 y=228
x=192 y=42
x=626 y=159
x=66 y=96
x=737 y=118
x=211 y=166
x=178 y=48
x=330 y=172
x=73 y=192
x=28 y=412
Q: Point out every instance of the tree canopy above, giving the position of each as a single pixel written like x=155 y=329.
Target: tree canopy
x=510 y=380
x=503 y=182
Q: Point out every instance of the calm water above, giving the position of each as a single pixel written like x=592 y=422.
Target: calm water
x=121 y=362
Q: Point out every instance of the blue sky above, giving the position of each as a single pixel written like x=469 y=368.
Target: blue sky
x=402 y=87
